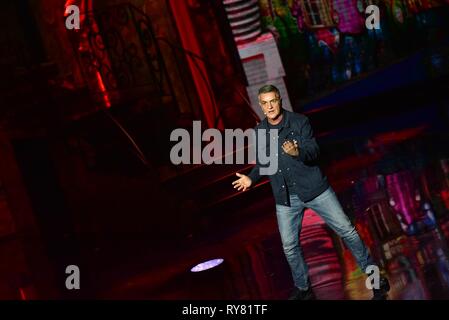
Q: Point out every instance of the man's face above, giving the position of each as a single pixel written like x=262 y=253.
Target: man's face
x=270 y=104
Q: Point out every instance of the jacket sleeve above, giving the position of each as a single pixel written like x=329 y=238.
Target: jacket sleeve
x=254 y=174
x=308 y=147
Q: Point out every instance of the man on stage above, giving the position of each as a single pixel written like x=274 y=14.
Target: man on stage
x=299 y=184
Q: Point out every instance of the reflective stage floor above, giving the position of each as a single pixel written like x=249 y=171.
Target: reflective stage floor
x=396 y=194
x=394 y=186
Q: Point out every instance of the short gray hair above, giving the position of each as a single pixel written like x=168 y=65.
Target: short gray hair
x=269 y=88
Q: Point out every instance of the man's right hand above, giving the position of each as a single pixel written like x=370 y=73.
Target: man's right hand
x=243 y=183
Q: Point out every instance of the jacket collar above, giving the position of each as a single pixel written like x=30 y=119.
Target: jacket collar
x=286 y=115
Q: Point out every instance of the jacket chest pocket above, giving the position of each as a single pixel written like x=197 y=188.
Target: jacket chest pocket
x=291 y=135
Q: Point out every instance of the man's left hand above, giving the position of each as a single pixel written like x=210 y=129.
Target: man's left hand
x=291 y=148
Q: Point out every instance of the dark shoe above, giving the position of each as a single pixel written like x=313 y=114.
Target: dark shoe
x=298 y=294
x=382 y=292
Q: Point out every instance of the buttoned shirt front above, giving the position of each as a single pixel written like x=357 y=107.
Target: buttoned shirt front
x=299 y=175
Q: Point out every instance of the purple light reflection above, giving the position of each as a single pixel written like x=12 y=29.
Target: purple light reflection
x=207 y=265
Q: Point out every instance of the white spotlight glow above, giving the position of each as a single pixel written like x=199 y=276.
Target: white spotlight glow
x=207 y=265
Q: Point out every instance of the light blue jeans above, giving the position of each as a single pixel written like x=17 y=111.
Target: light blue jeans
x=327 y=206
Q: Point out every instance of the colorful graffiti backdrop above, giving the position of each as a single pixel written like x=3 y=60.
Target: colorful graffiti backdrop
x=326 y=42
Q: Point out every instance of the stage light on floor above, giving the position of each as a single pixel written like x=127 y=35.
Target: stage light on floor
x=207 y=265
x=209 y=279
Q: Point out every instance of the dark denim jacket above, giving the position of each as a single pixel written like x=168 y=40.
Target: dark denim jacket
x=302 y=170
